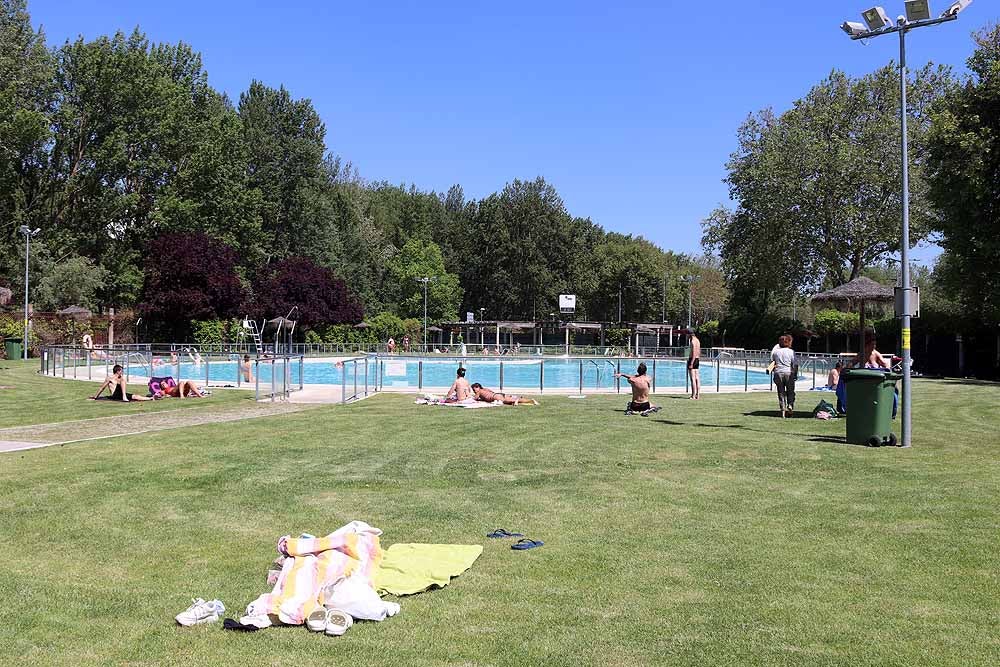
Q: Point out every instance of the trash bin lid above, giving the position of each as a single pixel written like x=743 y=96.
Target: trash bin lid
x=869 y=374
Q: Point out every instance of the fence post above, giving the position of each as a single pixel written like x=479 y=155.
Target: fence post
x=420 y=375
x=718 y=374
x=541 y=376
x=618 y=380
x=746 y=375
x=355 y=378
x=343 y=382
x=814 y=373
x=206 y=372
x=302 y=373
x=501 y=376
x=654 y=373
x=256 y=379
x=366 y=376
x=273 y=387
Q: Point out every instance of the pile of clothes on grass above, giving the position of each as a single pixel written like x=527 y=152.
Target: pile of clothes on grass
x=326 y=583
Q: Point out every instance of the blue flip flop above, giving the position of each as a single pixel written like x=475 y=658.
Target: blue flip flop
x=522 y=545
x=500 y=532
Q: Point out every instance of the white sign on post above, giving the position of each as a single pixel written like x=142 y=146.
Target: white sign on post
x=470 y=317
x=567 y=303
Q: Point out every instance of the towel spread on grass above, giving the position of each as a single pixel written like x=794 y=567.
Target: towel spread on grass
x=340 y=566
x=413 y=568
x=471 y=404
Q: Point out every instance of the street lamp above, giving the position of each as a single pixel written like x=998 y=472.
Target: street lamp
x=690 y=280
x=917 y=16
x=28 y=235
x=426 y=280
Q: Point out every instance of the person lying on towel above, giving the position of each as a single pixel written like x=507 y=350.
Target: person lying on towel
x=488 y=396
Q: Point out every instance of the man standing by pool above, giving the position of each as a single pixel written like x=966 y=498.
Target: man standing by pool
x=694 y=360
x=640 y=392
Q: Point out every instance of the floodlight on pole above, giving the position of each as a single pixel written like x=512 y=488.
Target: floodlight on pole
x=690 y=280
x=876 y=18
x=853 y=28
x=425 y=280
x=917 y=10
x=28 y=235
x=956 y=7
x=877 y=22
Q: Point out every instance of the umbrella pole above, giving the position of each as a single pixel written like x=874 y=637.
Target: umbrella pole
x=861 y=333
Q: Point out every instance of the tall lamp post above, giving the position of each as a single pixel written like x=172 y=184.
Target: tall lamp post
x=28 y=235
x=426 y=280
x=918 y=15
x=690 y=280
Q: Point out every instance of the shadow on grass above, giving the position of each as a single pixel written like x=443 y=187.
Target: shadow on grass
x=969 y=381
x=777 y=414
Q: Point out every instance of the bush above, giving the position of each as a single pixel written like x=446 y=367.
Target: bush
x=215 y=332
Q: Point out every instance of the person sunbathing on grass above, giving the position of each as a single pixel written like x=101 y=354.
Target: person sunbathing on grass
x=183 y=389
x=115 y=384
x=640 y=392
x=460 y=389
x=488 y=396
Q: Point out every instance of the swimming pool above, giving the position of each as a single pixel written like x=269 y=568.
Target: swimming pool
x=596 y=374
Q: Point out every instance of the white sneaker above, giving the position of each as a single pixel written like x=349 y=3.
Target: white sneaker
x=201 y=612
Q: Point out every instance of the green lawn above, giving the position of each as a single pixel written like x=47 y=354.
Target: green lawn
x=710 y=534
x=35 y=399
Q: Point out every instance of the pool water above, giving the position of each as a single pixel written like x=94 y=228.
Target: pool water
x=550 y=373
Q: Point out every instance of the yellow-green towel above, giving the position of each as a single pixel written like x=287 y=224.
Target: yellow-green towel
x=412 y=568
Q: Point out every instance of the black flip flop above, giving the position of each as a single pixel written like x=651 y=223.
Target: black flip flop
x=523 y=545
x=500 y=533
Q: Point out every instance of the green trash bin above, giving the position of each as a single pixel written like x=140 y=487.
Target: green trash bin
x=869 y=406
x=13 y=348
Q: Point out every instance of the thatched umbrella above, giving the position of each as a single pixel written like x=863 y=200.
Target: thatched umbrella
x=856 y=294
x=76 y=312
x=362 y=325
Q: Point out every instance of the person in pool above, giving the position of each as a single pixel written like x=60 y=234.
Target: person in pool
x=460 y=389
x=488 y=396
x=117 y=391
x=640 y=391
x=245 y=369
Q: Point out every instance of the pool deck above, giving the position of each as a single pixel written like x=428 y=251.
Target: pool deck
x=316 y=394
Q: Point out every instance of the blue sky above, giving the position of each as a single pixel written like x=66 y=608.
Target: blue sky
x=630 y=109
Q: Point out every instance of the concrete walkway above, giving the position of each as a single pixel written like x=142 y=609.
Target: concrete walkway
x=45 y=435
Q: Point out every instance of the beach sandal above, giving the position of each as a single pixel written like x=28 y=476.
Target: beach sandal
x=316 y=621
x=500 y=532
x=337 y=622
x=652 y=410
x=522 y=545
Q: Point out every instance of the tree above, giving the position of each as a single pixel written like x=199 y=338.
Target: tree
x=523 y=250
x=419 y=259
x=189 y=277
x=320 y=296
x=817 y=188
x=285 y=142
x=964 y=162
x=26 y=99
x=71 y=281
